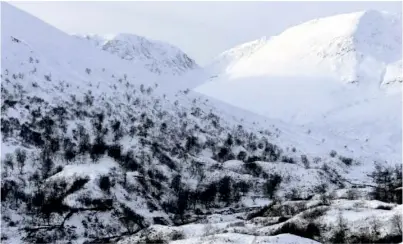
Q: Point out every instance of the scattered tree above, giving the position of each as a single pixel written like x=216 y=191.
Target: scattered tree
x=224 y=189
x=387 y=180
x=21 y=156
x=397 y=223
x=208 y=195
x=105 y=183
x=242 y=156
x=182 y=203
x=340 y=230
x=48 y=77
x=305 y=161
x=176 y=184
x=347 y=161
x=8 y=161
x=272 y=184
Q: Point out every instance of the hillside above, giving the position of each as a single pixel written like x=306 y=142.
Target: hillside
x=97 y=149
x=341 y=73
x=349 y=48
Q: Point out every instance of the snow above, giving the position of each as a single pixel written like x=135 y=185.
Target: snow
x=204 y=233
x=234 y=165
x=331 y=47
x=158 y=57
x=83 y=170
x=58 y=54
x=339 y=74
x=299 y=94
x=241 y=239
x=359 y=216
x=393 y=74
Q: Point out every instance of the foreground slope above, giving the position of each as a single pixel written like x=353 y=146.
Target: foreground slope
x=341 y=73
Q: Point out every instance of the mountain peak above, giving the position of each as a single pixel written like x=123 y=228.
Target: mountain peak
x=156 y=56
x=339 y=66
x=349 y=47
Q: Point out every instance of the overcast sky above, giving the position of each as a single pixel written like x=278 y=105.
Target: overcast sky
x=201 y=29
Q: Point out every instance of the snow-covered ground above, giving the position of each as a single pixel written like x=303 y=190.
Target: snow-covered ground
x=111 y=132
x=360 y=216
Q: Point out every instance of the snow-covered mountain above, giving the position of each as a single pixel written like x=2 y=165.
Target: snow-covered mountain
x=96 y=149
x=156 y=56
x=343 y=73
x=356 y=47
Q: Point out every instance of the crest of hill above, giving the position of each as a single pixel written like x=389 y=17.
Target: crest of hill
x=351 y=48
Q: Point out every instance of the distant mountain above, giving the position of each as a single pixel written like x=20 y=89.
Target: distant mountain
x=156 y=56
x=356 y=47
x=342 y=73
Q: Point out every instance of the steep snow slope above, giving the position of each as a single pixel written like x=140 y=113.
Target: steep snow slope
x=340 y=73
x=354 y=47
x=156 y=56
x=227 y=59
x=64 y=57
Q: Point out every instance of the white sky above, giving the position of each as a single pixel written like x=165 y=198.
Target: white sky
x=201 y=29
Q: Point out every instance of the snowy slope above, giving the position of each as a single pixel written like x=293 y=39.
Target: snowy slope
x=106 y=140
x=156 y=56
x=340 y=73
x=361 y=218
x=54 y=65
x=227 y=59
x=393 y=74
x=64 y=57
x=350 y=48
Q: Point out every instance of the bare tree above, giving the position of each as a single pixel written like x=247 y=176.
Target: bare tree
x=352 y=194
x=340 y=234
x=21 y=156
x=375 y=228
x=397 y=223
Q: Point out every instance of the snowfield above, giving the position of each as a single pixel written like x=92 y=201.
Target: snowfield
x=341 y=47
x=123 y=140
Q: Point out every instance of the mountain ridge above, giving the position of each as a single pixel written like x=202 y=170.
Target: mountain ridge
x=343 y=46
x=318 y=74
x=157 y=56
